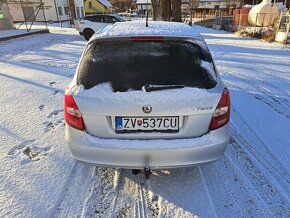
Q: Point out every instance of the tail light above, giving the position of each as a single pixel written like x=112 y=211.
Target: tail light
x=72 y=115
x=221 y=115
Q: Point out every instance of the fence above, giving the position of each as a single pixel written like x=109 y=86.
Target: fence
x=26 y=13
x=240 y=21
x=252 y=24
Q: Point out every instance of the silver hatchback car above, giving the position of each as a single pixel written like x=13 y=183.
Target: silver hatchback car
x=147 y=97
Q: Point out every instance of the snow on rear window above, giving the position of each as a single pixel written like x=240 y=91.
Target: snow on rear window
x=208 y=67
x=132 y=64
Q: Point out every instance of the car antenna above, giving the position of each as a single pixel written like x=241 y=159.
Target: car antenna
x=147 y=18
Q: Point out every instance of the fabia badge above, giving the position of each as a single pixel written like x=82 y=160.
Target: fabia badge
x=147 y=109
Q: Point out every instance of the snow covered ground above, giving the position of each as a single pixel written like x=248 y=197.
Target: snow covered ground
x=38 y=178
x=6 y=33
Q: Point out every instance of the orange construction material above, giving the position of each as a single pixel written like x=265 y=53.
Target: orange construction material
x=240 y=16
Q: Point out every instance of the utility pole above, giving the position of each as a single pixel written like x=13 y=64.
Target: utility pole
x=57 y=13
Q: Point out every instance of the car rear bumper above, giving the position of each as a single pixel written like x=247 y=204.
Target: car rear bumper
x=84 y=149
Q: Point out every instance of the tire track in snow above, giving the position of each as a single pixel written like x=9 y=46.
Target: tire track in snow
x=263 y=90
x=64 y=72
x=260 y=149
x=114 y=194
x=283 y=71
x=154 y=202
x=263 y=158
x=142 y=198
x=207 y=191
x=104 y=195
x=132 y=196
x=275 y=103
x=260 y=168
x=77 y=184
x=50 y=65
x=118 y=184
x=260 y=87
x=177 y=193
x=231 y=197
x=258 y=181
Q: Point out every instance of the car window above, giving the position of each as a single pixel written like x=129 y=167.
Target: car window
x=129 y=65
x=108 y=19
x=97 y=18
x=93 y=18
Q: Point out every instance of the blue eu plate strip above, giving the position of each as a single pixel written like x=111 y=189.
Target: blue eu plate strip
x=119 y=123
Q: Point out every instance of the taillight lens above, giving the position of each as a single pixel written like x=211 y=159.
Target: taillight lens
x=221 y=115
x=72 y=115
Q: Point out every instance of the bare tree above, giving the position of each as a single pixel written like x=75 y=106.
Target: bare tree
x=122 y=5
x=176 y=10
x=154 y=9
x=165 y=6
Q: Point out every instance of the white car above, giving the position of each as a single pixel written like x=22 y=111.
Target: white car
x=147 y=97
x=93 y=23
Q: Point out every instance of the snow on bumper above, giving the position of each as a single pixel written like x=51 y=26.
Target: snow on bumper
x=153 y=153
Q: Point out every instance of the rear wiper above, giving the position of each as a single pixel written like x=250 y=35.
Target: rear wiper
x=150 y=88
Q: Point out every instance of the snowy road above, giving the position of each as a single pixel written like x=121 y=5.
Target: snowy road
x=38 y=178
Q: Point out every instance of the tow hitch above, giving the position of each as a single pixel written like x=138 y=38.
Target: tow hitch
x=147 y=172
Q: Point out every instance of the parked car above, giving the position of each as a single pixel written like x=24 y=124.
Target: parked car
x=147 y=97
x=93 y=23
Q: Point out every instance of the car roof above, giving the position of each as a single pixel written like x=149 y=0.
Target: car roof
x=155 y=28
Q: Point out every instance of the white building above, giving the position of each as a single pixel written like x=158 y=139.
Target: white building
x=218 y=4
x=55 y=10
x=143 y=5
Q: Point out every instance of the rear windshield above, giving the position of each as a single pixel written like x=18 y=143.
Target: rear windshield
x=129 y=65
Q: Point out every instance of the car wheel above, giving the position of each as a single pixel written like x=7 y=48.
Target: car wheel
x=88 y=34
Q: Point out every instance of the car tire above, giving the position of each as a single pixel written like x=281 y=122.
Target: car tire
x=88 y=33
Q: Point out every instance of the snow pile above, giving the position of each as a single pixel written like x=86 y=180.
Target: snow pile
x=183 y=99
x=209 y=68
x=149 y=144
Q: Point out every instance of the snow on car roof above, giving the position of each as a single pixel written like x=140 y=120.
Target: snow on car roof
x=155 y=28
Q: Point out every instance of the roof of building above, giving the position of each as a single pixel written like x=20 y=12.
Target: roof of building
x=156 y=28
x=105 y=3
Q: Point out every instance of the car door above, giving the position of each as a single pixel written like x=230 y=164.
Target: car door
x=97 y=23
x=108 y=20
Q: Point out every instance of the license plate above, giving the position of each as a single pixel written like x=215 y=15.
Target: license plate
x=147 y=123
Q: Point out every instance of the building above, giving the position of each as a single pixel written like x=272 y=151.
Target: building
x=255 y=2
x=143 y=6
x=6 y=21
x=97 y=7
x=218 y=4
x=54 y=10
